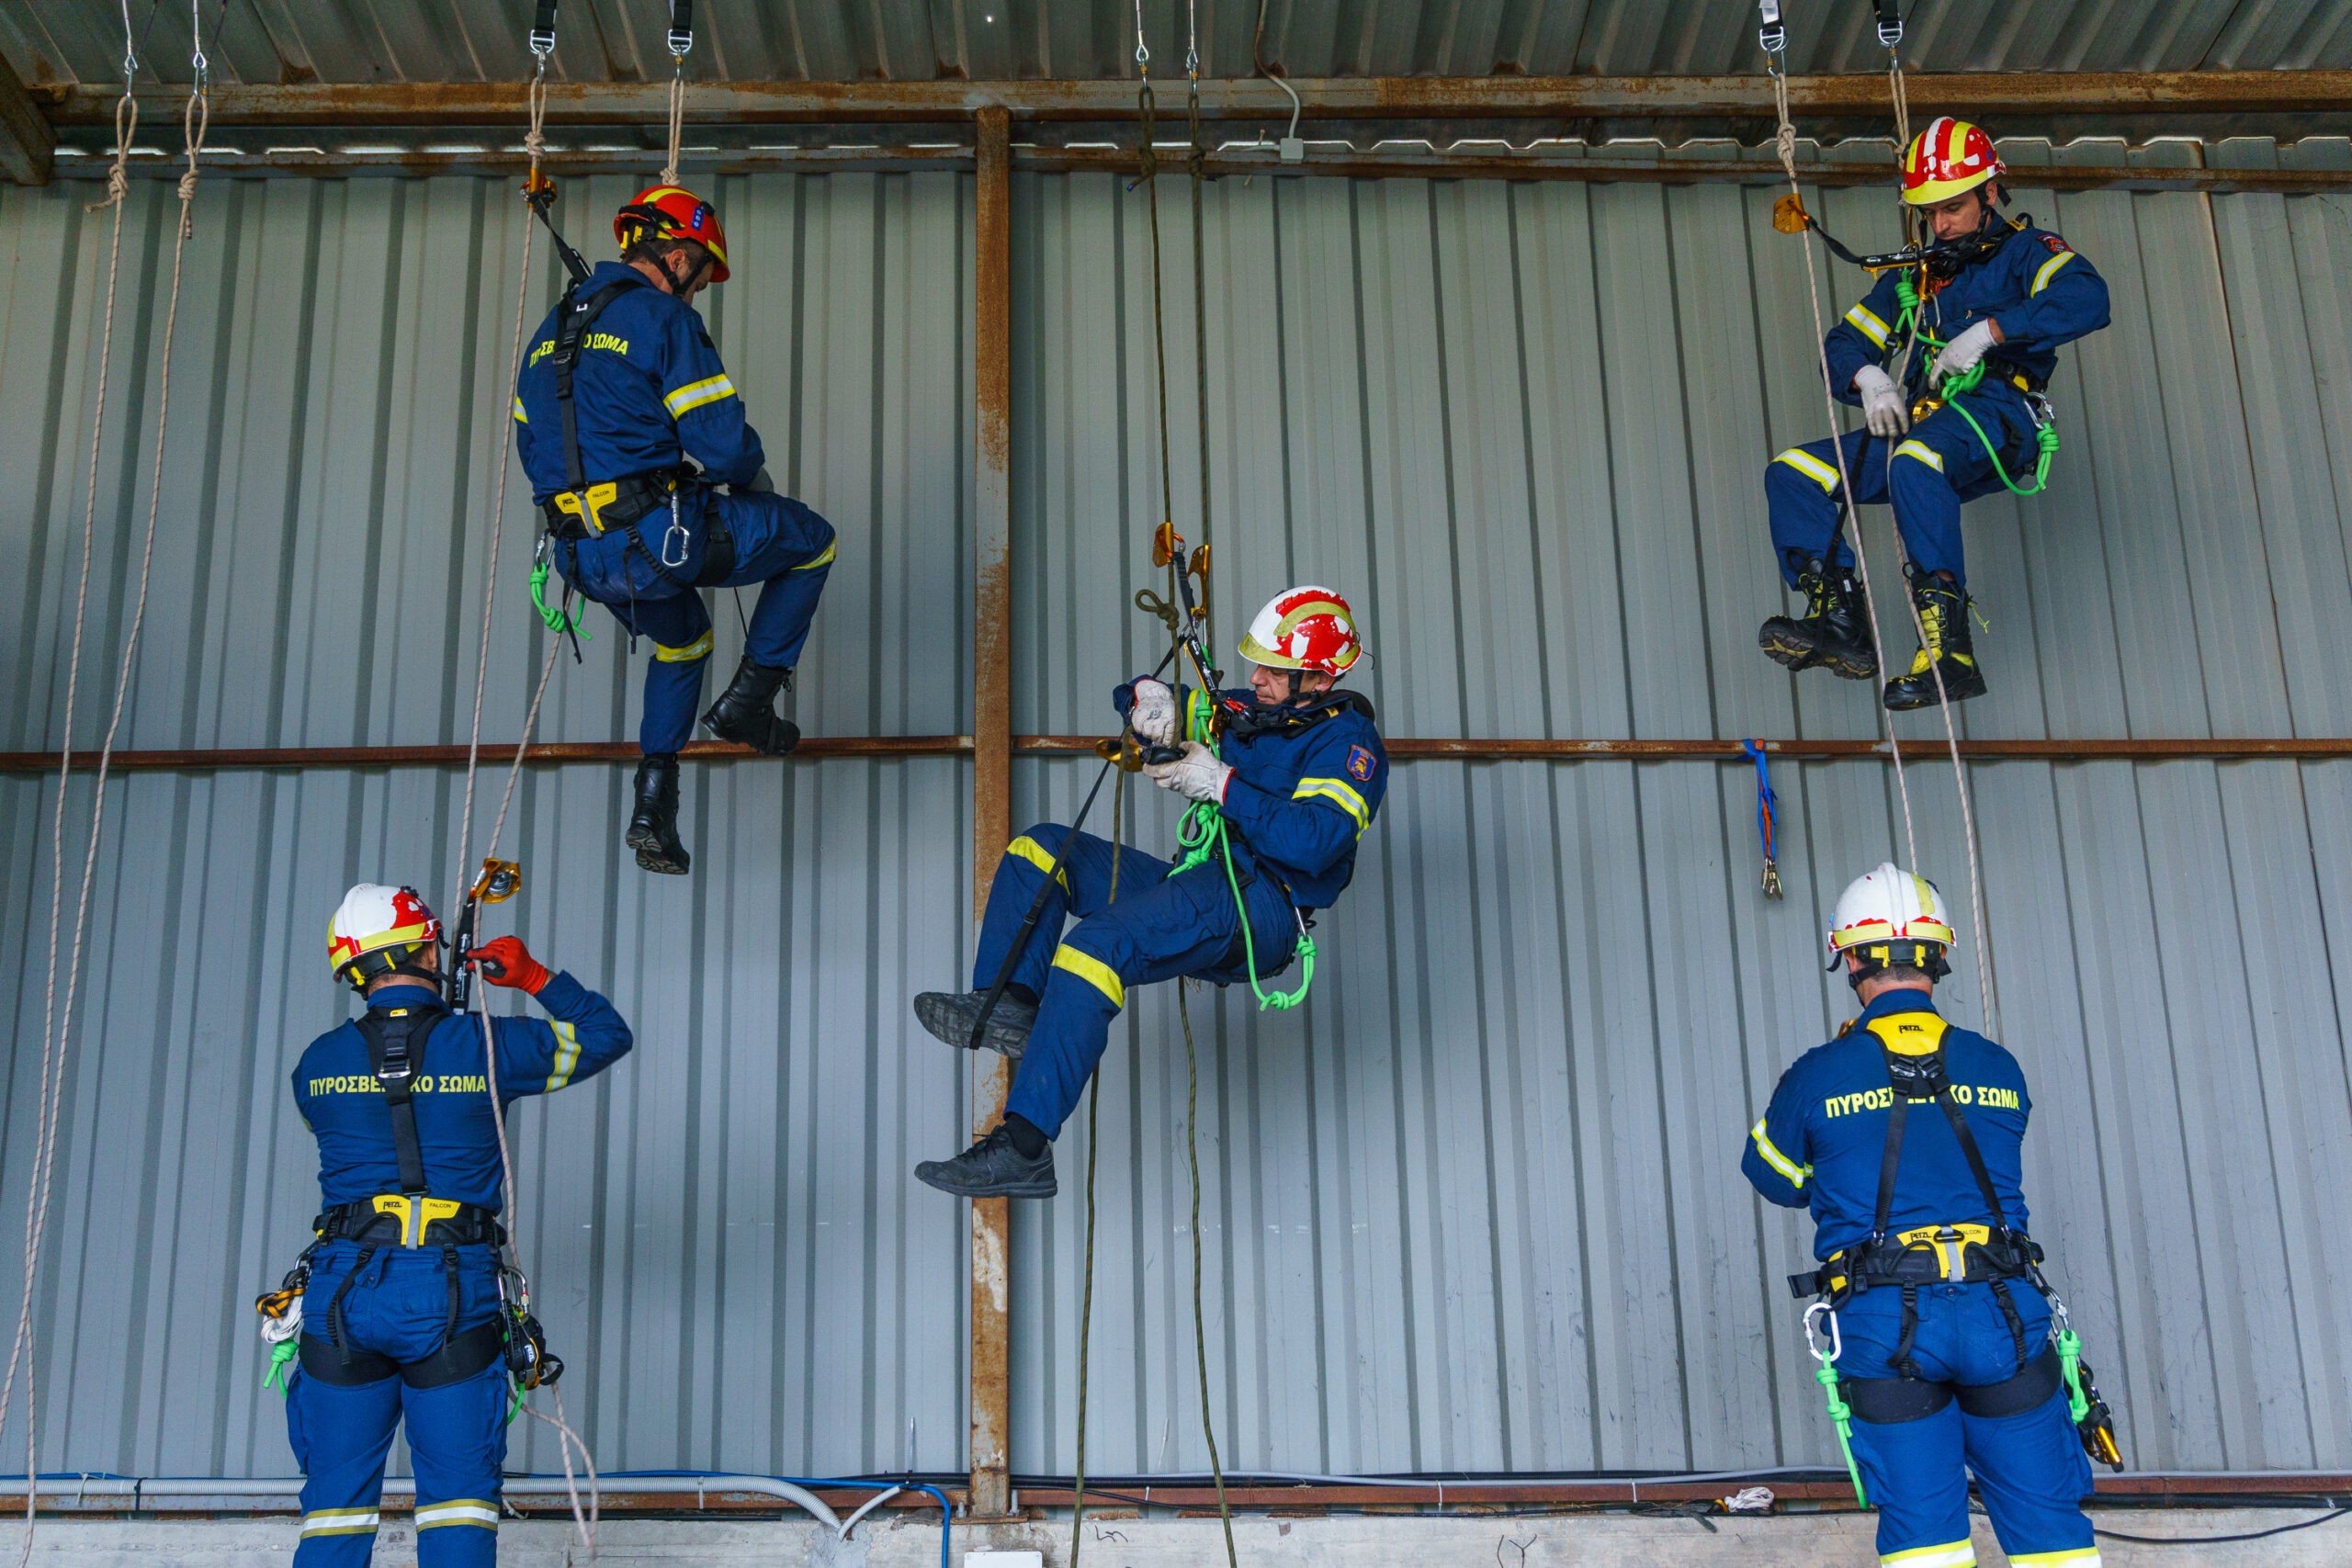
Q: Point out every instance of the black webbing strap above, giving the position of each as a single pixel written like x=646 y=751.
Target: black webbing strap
x=1976 y=1160
x=578 y=315
x=1889 y=1163
x=543 y=27
x=396 y=1055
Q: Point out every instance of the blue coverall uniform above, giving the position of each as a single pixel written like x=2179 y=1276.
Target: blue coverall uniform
x=1821 y=1144
x=648 y=392
x=1297 y=803
x=408 y=1299
x=2042 y=293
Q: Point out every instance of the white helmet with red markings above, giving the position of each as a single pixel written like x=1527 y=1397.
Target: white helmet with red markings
x=1304 y=628
x=1892 y=919
x=379 y=930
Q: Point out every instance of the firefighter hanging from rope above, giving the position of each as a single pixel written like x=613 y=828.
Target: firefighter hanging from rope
x=1283 y=777
x=628 y=424
x=1976 y=319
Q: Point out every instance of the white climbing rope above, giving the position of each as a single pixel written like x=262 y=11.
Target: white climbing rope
x=57 y=1021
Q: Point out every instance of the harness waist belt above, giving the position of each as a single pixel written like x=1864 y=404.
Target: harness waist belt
x=394 y=1219
x=1925 y=1255
x=591 y=509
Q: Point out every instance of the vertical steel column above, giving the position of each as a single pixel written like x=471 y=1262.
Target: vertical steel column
x=991 y=1492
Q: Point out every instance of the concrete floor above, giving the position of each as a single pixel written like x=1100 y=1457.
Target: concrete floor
x=912 y=1541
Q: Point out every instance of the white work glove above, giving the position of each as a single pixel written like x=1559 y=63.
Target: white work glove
x=1961 y=353
x=1885 y=409
x=1152 y=713
x=1196 y=775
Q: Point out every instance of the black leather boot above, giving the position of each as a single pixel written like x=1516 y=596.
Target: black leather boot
x=743 y=713
x=1832 y=631
x=654 y=825
x=1947 y=650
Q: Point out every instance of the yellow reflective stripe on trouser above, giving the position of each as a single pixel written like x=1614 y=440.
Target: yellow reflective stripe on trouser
x=825 y=560
x=1093 y=971
x=1811 y=467
x=1788 y=1167
x=1958 y=1554
x=340 y=1521
x=1340 y=794
x=1032 y=852
x=698 y=649
x=2072 y=1557
x=2041 y=281
x=1925 y=453
x=567 y=1056
x=458 y=1511
x=695 y=394
x=1866 y=322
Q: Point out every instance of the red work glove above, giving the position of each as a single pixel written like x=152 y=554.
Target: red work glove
x=506 y=962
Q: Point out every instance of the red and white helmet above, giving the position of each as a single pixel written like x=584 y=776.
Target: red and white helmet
x=672 y=212
x=376 y=930
x=1892 y=918
x=1305 y=627
x=1948 y=157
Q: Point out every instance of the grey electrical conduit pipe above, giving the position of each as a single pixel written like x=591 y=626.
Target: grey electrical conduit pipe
x=223 y=1494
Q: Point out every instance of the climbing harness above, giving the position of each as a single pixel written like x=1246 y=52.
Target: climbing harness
x=1910 y=326
x=1774 y=37
x=57 y=1020
x=1969 y=1253
x=1767 y=806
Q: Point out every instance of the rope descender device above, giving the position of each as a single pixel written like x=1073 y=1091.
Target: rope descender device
x=500 y=880
x=2094 y=1418
x=1768 y=806
x=1841 y=1415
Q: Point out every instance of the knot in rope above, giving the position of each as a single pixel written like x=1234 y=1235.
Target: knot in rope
x=126 y=120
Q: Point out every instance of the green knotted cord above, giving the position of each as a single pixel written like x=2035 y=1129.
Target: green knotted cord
x=1841 y=1416
x=2045 y=436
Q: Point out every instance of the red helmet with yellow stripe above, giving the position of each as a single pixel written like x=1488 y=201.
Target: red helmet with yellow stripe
x=674 y=212
x=1948 y=157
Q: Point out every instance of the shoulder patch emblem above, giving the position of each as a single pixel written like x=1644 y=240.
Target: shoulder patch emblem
x=2057 y=247
x=1360 y=764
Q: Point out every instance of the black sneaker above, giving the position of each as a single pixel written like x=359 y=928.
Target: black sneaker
x=949 y=1016
x=992 y=1169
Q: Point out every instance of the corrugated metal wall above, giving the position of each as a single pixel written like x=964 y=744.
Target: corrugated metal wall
x=1476 y=1206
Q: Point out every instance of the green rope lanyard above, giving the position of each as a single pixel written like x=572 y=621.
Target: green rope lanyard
x=559 y=620
x=2070 y=1368
x=1202 y=833
x=1841 y=1415
x=2045 y=436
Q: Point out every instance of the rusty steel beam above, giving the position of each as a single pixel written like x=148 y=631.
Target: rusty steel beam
x=1538 y=164
x=1986 y=94
x=27 y=141
x=1401 y=749
x=992 y=1240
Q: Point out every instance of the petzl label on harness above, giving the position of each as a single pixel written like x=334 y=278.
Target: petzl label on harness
x=1910 y=1033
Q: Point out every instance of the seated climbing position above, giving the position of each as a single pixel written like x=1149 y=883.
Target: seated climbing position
x=1993 y=300
x=399 y=1296
x=1296 y=776
x=626 y=422
x=1905 y=1135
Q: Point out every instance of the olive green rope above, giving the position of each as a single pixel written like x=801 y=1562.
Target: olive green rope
x=1200 y=1330
x=1094 y=1150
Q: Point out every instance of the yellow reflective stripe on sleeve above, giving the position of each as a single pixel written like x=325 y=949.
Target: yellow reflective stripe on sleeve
x=2041 y=281
x=1032 y=852
x=458 y=1511
x=1922 y=451
x=1093 y=971
x=567 y=1056
x=1339 y=793
x=2073 y=1557
x=695 y=393
x=340 y=1521
x=1866 y=322
x=520 y=417
x=825 y=560
x=1811 y=467
x=1957 y=1554
x=698 y=649
x=1788 y=1167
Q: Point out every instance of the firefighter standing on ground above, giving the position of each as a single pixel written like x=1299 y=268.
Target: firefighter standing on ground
x=400 y=1313
x=634 y=527
x=1948 y=1360
x=1302 y=775
x=2003 y=293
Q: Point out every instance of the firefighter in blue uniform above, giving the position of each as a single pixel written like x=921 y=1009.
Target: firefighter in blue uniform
x=1302 y=775
x=620 y=392
x=399 y=1313
x=1999 y=292
x=1905 y=1136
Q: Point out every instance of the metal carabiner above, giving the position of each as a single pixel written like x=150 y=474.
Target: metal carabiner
x=677 y=533
x=1837 y=1340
